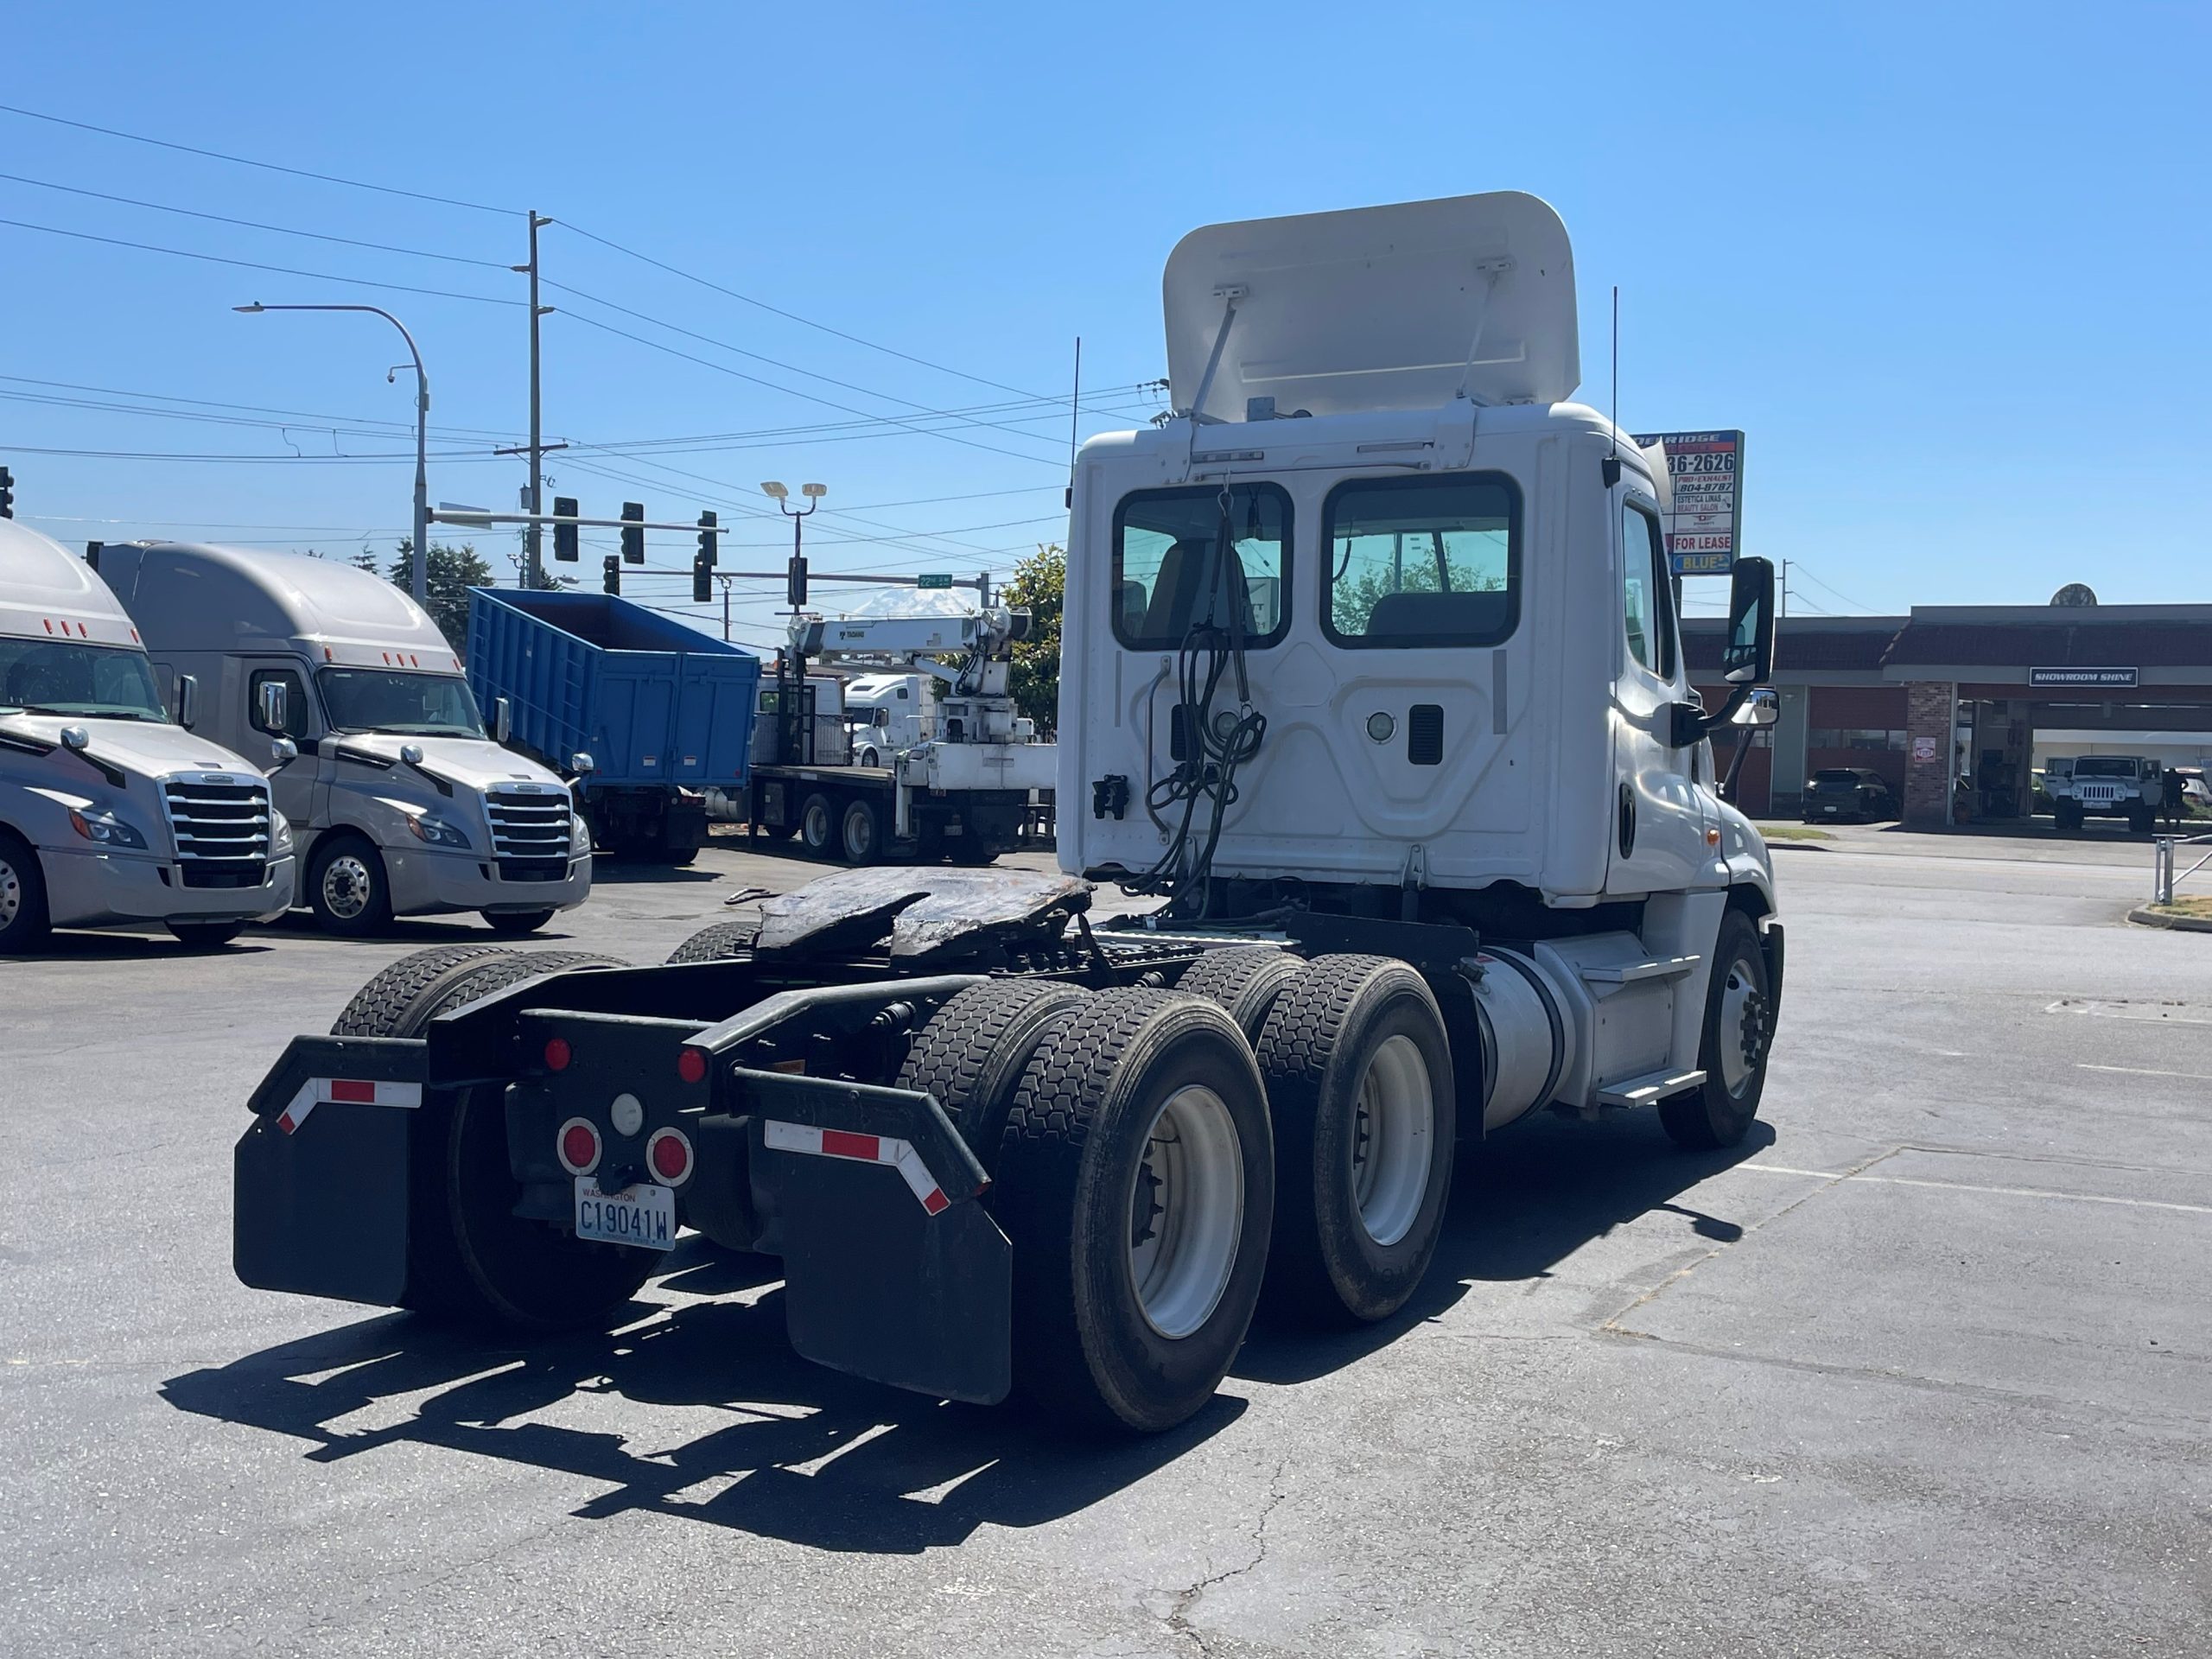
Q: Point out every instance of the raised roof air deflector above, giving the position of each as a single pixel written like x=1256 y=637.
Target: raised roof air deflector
x=1376 y=307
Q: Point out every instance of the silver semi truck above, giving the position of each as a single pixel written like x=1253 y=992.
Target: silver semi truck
x=403 y=803
x=111 y=813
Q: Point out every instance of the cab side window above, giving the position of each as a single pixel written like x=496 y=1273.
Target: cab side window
x=1647 y=594
x=295 y=702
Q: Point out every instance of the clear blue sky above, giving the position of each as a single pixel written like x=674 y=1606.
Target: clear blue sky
x=1946 y=265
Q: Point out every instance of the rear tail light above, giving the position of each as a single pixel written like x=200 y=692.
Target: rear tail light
x=669 y=1153
x=558 y=1054
x=578 y=1145
x=691 y=1064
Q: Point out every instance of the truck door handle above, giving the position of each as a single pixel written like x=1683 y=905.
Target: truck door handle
x=1628 y=820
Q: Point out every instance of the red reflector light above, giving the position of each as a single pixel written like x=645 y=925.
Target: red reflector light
x=669 y=1155
x=579 y=1147
x=558 y=1054
x=691 y=1064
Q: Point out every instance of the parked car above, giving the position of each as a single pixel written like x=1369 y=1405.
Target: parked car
x=1857 y=792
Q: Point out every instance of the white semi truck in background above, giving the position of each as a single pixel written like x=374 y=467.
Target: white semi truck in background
x=110 y=813
x=401 y=802
x=1371 y=678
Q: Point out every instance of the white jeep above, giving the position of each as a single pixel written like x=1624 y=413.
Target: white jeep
x=2129 y=787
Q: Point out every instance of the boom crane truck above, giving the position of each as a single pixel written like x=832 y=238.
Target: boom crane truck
x=961 y=792
x=1372 y=690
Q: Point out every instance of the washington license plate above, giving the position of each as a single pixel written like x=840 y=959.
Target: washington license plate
x=643 y=1215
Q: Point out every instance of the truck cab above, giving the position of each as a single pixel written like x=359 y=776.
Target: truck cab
x=888 y=713
x=404 y=804
x=111 y=812
x=1382 y=624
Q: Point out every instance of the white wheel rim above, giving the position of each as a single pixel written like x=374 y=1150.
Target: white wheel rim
x=860 y=837
x=815 y=829
x=1743 y=1026
x=11 y=894
x=1186 y=1208
x=346 y=886
x=1393 y=1140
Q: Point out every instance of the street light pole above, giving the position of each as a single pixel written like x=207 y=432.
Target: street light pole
x=799 y=743
x=420 y=583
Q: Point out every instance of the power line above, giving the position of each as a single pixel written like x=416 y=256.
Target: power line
x=256 y=408
x=793 y=391
x=792 y=316
x=1797 y=568
x=250 y=264
x=247 y=160
x=308 y=461
x=256 y=224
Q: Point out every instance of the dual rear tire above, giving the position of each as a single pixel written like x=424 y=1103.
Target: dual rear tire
x=471 y=1259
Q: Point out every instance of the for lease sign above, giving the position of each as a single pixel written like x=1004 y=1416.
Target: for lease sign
x=1705 y=470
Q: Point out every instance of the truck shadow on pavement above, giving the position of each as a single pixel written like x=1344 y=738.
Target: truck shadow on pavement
x=719 y=1421
x=1520 y=1203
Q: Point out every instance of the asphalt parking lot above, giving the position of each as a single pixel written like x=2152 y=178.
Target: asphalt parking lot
x=1923 y=1369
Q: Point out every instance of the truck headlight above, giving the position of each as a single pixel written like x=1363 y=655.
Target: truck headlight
x=280 y=833
x=436 y=831
x=106 y=829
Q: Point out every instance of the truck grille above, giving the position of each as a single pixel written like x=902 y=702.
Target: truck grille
x=2098 y=794
x=530 y=833
x=221 y=826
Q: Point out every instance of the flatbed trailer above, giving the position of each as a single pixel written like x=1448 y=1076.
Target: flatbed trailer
x=933 y=801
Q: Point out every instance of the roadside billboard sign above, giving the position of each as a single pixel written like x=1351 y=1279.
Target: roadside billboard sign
x=1705 y=527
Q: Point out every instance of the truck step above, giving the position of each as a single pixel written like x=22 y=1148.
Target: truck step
x=1632 y=973
x=1651 y=1087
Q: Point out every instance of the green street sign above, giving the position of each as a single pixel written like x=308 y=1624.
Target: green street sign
x=933 y=581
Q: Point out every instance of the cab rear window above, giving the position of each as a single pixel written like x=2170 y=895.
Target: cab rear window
x=1188 y=560
x=1422 y=562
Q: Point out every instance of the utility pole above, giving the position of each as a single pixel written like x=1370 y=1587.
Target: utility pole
x=530 y=534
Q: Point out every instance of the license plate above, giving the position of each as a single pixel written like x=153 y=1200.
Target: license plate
x=643 y=1215
x=1831 y=809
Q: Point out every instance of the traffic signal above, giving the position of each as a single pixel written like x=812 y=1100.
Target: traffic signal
x=564 y=536
x=7 y=494
x=634 y=536
x=703 y=580
x=612 y=583
x=709 y=541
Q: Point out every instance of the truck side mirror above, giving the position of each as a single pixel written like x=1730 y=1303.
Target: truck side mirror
x=283 y=753
x=188 y=701
x=274 y=698
x=503 y=720
x=582 y=764
x=76 y=739
x=1747 y=656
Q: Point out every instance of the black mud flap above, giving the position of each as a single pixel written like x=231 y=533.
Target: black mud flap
x=320 y=1188
x=893 y=1271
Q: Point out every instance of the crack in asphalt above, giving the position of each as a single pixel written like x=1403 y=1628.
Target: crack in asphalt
x=1179 y=1616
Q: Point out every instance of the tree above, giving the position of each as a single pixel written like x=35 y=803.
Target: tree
x=1039 y=584
x=453 y=571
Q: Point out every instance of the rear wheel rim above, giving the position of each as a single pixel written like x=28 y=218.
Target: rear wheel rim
x=1393 y=1140
x=860 y=837
x=11 y=894
x=814 y=829
x=347 y=886
x=1743 y=1026
x=1186 y=1210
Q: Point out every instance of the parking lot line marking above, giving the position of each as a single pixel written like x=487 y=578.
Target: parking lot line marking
x=1970 y=1186
x=2145 y=1071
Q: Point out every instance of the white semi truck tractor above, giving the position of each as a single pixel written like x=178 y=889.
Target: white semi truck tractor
x=405 y=805
x=111 y=813
x=1372 y=694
